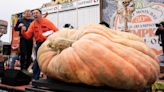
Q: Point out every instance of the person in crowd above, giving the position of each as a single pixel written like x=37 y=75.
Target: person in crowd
x=25 y=44
x=37 y=28
x=15 y=60
x=104 y=23
x=160 y=33
x=68 y=26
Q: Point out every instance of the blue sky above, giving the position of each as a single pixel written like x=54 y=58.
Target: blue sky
x=9 y=7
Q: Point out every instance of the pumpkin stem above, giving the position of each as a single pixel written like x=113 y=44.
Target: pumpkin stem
x=60 y=44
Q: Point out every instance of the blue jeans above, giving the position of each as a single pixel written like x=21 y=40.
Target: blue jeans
x=25 y=52
x=13 y=61
x=36 y=69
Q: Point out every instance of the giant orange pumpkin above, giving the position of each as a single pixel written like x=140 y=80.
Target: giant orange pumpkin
x=98 y=56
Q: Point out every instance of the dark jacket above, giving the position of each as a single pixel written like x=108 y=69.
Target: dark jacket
x=160 y=33
x=26 y=22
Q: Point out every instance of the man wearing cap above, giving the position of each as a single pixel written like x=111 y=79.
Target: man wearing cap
x=160 y=33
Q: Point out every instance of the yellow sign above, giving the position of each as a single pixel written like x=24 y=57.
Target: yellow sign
x=62 y=1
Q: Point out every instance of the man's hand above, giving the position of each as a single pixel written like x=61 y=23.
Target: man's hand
x=20 y=25
x=23 y=29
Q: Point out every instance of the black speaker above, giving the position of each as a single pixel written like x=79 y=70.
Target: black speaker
x=6 y=49
x=15 y=78
x=1 y=68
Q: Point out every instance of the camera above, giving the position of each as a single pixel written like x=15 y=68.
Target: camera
x=157 y=25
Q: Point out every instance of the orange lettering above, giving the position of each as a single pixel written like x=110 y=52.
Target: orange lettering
x=144 y=32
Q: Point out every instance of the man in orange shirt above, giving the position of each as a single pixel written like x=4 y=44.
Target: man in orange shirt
x=37 y=28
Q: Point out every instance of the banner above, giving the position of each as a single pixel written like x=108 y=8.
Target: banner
x=139 y=18
x=51 y=7
x=15 y=34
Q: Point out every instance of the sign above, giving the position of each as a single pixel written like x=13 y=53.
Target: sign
x=50 y=9
x=15 y=34
x=143 y=24
x=69 y=6
x=142 y=20
x=84 y=3
x=62 y=1
x=3 y=27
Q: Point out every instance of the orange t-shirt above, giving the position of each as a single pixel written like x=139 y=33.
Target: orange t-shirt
x=36 y=29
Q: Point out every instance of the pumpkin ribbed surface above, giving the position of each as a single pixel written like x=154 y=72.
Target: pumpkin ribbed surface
x=98 y=56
